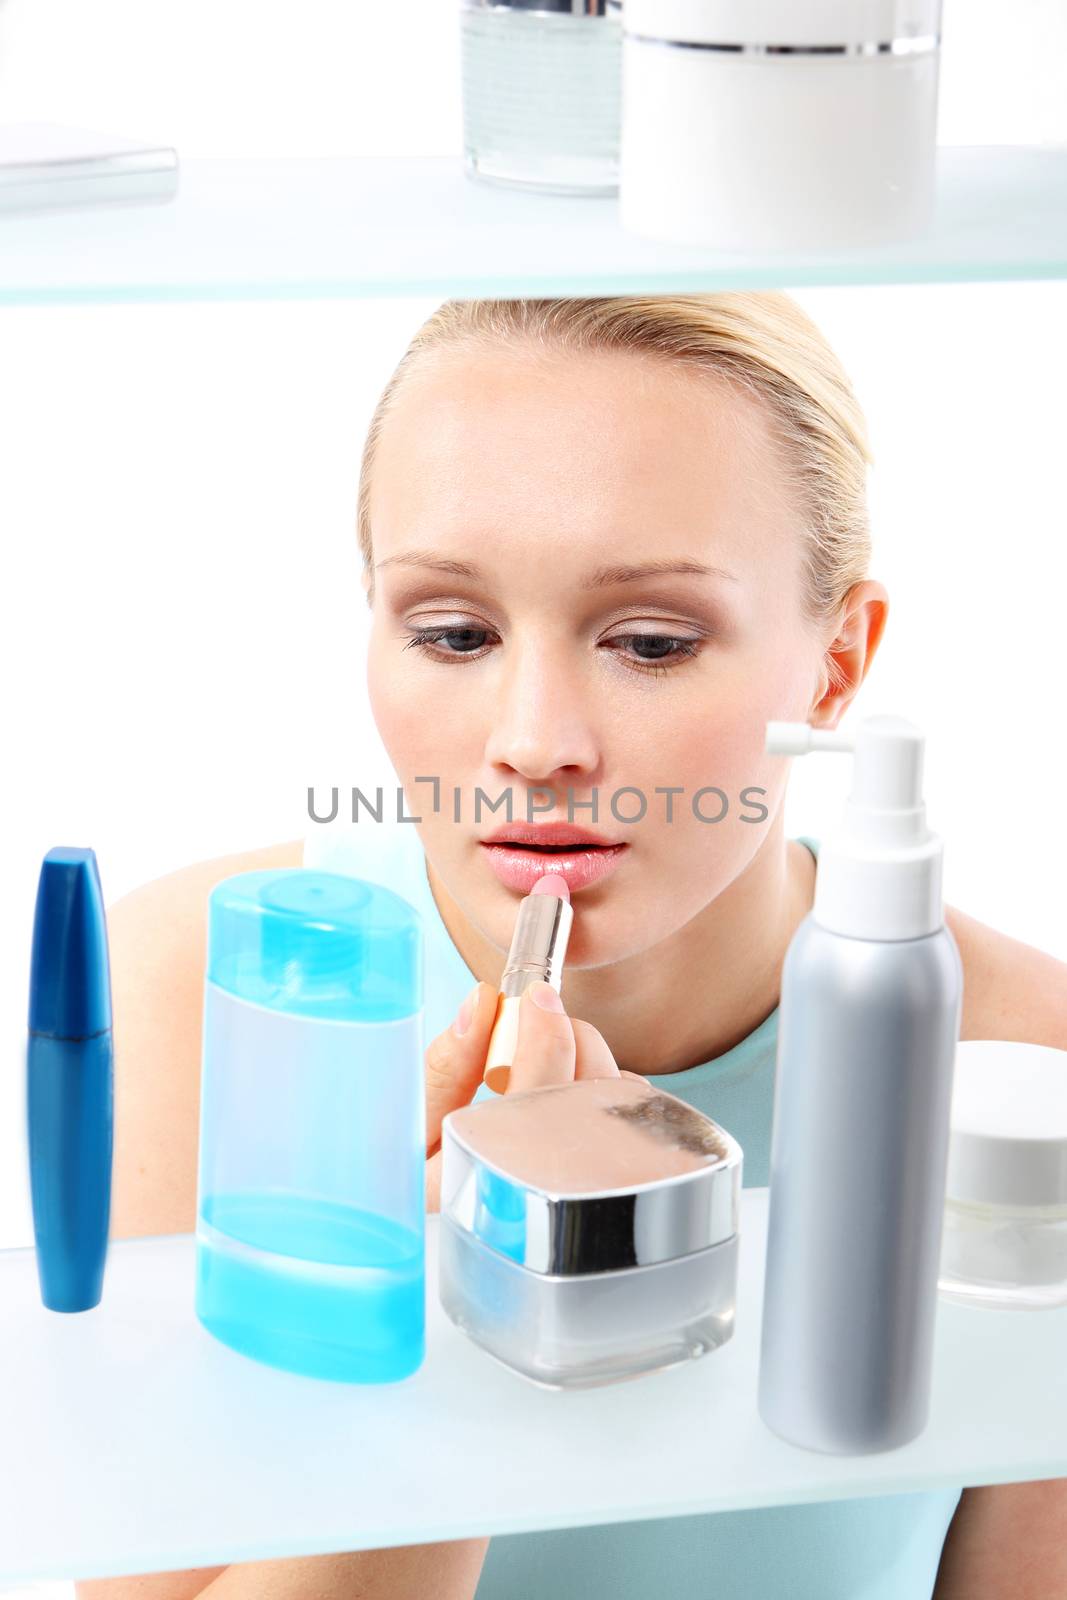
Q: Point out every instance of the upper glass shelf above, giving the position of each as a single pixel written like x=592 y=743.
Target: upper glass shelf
x=307 y=229
x=137 y=1442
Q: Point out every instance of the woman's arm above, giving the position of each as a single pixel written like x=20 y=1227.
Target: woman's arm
x=1008 y=1541
x=158 y=939
x=411 y=1572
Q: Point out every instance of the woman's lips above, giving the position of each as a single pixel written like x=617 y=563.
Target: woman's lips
x=519 y=868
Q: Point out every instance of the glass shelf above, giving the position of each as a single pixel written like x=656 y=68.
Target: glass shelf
x=302 y=229
x=135 y=1442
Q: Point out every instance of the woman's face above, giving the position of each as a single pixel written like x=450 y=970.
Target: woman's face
x=553 y=668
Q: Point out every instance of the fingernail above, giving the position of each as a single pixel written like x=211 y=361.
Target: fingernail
x=542 y=994
x=464 y=1014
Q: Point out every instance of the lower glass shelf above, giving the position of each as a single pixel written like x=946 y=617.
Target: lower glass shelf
x=136 y=1442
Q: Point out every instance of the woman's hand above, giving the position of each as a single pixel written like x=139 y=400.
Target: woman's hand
x=552 y=1048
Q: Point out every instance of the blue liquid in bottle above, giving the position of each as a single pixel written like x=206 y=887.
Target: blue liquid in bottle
x=312 y=1286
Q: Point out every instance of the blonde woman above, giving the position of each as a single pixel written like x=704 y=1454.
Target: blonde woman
x=604 y=542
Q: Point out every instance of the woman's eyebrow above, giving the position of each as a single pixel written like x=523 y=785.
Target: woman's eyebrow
x=602 y=577
x=426 y=558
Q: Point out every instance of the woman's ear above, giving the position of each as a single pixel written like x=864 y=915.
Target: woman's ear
x=848 y=656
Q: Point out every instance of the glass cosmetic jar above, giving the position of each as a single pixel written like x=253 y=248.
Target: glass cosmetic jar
x=1004 y=1243
x=779 y=126
x=589 y=1231
x=542 y=85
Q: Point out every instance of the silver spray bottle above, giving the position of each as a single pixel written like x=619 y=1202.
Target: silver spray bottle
x=869 y=1017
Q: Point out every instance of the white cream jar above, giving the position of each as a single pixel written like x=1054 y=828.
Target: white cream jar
x=778 y=124
x=1004 y=1242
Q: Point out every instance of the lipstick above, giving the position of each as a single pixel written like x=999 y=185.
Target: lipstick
x=538 y=946
x=69 y=1081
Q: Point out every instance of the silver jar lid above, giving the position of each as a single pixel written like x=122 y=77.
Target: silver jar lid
x=781 y=28
x=598 y=1175
x=545 y=8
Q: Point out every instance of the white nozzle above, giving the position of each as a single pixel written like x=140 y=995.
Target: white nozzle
x=879 y=876
x=797 y=738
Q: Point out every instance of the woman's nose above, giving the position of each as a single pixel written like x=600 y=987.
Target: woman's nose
x=538 y=725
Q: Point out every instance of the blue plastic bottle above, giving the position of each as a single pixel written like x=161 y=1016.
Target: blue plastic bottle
x=311 y=1216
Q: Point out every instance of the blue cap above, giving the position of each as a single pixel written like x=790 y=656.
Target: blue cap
x=320 y=944
x=70 y=977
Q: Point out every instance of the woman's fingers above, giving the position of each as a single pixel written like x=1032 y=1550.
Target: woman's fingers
x=545 y=1052
x=555 y=1048
x=593 y=1057
x=552 y=1048
x=433 y=1182
x=455 y=1061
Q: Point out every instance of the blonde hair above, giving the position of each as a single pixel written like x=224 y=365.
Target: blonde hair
x=762 y=341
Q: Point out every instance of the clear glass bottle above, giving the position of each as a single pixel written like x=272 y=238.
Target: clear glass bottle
x=541 y=94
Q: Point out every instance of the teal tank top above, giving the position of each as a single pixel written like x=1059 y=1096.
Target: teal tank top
x=876 y=1547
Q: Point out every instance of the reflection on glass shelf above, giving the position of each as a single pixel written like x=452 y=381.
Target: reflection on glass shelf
x=143 y=1443
x=305 y=229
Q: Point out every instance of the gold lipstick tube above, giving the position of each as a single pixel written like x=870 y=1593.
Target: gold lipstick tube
x=538 y=946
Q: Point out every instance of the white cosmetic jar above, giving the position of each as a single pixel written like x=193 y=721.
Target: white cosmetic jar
x=589 y=1231
x=1004 y=1242
x=773 y=124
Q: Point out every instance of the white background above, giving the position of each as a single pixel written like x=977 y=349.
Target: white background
x=182 y=630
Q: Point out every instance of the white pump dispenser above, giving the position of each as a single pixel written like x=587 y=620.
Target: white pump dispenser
x=880 y=874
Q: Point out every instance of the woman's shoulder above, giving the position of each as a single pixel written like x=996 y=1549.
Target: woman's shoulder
x=163 y=923
x=1011 y=990
x=188 y=885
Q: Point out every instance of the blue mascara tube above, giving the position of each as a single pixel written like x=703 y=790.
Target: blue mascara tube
x=69 y=1081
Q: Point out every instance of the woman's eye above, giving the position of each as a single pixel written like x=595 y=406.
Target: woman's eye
x=654 y=652
x=659 y=659
x=427 y=639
